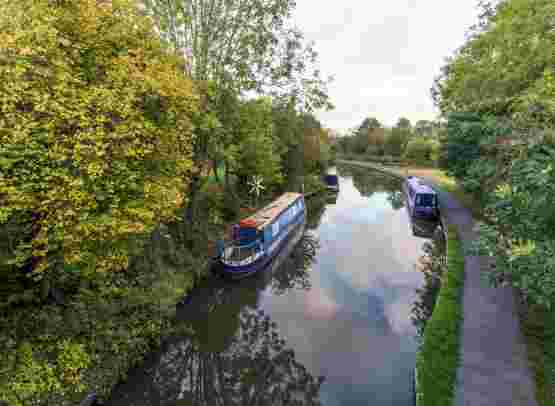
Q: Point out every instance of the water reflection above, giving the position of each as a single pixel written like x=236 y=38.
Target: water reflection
x=331 y=198
x=293 y=274
x=341 y=298
x=232 y=354
x=315 y=207
x=369 y=183
x=423 y=228
x=432 y=264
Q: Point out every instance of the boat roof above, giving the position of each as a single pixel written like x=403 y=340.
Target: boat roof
x=267 y=214
x=419 y=187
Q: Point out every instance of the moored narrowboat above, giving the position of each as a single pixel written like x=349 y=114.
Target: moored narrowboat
x=422 y=200
x=332 y=182
x=258 y=238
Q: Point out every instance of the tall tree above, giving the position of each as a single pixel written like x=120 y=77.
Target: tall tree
x=96 y=126
x=506 y=66
x=369 y=123
x=423 y=127
x=239 y=46
x=404 y=123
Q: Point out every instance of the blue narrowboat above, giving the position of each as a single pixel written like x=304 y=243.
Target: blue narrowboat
x=258 y=238
x=422 y=200
x=332 y=182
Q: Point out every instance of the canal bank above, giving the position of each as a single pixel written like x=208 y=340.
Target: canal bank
x=493 y=365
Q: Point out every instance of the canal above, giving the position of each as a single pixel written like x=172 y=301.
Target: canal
x=331 y=322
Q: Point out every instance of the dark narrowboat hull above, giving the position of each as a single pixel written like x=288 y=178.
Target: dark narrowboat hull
x=239 y=272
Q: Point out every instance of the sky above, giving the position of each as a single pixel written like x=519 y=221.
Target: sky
x=383 y=54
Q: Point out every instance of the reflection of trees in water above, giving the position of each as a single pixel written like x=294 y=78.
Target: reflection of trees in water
x=432 y=264
x=315 y=208
x=368 y=182
x=331 y=197
x=233 y=354
x=293 y=272
x=256 y=368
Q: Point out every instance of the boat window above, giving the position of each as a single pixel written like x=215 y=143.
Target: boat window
x=275 y=229
x=425 y=200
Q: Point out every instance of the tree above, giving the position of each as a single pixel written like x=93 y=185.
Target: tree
x=237 y=47
x=423 y=127
x=505 y=68
x=96 y=127
x=369 y=123
x=376 y=141
x=497 y=93
x=404 y=123
x=396 y=142
x=95 y=153
x=255 y=150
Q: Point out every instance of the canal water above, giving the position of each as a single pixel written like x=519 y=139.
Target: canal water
x=330 y=323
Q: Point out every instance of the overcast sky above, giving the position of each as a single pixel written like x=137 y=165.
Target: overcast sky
x=384 y=54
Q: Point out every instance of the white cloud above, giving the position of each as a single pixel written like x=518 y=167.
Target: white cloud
x=384 y=54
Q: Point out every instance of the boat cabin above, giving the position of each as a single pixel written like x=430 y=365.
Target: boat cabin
x=422 y=198
x=332 y=181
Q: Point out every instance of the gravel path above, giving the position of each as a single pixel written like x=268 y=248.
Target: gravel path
x=494 y=367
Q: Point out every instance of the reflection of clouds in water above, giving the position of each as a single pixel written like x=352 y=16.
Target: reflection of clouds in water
x=354 y=325
x=377 y=257
x=319 y=305
x=399 y=312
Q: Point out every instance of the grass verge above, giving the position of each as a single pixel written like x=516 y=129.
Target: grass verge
x=438 y=359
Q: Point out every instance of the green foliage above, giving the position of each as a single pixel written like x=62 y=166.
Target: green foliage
x=464 y=133
x=520 y=235
x=253 y=150
x=506 y=67
x=396 y=141
x=502 y=150
x=104 y=328
x=438 y=358
x=422 y=150
x=100 y=131
x=96 y=127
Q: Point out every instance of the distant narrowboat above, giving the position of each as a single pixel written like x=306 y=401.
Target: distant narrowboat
x=258 y=238
x=332 y=182
x=422 y=200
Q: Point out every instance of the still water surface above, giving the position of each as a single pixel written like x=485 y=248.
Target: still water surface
x=329 y=324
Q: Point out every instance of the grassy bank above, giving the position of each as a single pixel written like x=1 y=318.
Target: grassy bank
x=438 y=358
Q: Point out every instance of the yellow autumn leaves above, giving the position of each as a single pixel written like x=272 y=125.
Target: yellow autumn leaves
x=95 y=129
